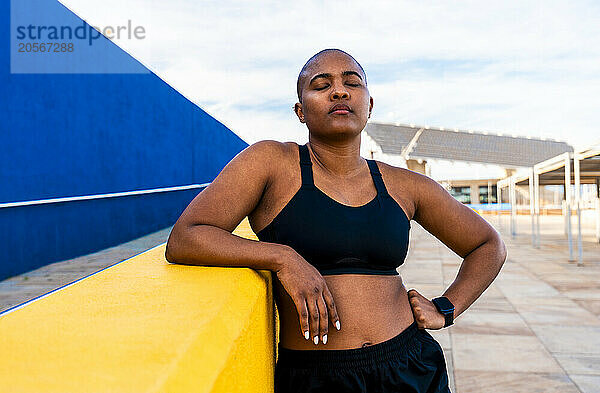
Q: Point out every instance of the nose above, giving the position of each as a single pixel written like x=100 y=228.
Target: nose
x=339 y=92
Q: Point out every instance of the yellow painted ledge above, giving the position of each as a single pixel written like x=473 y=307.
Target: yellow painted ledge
x=145 y=325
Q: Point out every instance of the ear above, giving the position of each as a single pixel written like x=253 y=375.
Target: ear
x=370 y=106
x=299 y=113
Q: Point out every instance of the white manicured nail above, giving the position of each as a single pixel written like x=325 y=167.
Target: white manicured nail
x=316 y=340
x=325 y=339
x=337 y=325
x=306 y=335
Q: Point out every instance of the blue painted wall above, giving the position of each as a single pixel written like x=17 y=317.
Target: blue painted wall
x=81 y=134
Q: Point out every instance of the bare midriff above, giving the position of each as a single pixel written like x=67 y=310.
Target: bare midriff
x=371 y=309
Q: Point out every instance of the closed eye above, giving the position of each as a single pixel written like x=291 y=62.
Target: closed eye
x=349 y=84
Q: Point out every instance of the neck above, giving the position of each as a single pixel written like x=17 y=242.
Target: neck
x=340 y=159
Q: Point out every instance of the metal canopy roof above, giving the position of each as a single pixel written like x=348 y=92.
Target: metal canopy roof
x=420 y=142
x=552 y=171
x=576 y=168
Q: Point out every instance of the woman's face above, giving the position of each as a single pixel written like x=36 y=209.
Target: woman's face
x=332 y=79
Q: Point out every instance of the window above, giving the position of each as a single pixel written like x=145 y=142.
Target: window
x=483 y=194
x=462 y=194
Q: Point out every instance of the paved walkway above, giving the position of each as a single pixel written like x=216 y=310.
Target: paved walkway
x=535 y=329
x=26 y=286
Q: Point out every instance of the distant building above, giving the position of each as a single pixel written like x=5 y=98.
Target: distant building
x=415 y=147
x=479 y=191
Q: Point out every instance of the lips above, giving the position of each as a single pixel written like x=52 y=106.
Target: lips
x=342 y=108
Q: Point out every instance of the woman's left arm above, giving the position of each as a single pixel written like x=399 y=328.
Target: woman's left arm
x=468 y=235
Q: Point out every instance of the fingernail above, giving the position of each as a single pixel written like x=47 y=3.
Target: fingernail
x=337 y=325
x=316 y=340
x=306 y=335
x=325 y=339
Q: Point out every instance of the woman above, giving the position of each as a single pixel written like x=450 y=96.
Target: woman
x=334 y=227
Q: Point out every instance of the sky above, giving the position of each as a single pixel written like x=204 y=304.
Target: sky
x=526 y=68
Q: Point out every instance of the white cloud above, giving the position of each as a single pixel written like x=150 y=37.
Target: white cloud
x=514 y=67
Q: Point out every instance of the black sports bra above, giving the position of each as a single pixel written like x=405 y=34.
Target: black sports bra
x=341 y=239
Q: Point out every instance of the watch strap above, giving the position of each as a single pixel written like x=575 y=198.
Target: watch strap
x=445 y=307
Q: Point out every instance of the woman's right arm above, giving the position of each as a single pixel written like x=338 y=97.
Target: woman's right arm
x=202 y=236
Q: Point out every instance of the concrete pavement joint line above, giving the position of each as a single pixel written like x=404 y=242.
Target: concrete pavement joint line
x=540 y=340
x=534 y=251
x=529 y=327
x=18 y=306
x=543 y=280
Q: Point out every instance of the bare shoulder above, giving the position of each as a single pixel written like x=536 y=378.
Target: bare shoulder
x=392 y=170
x=267 y=155
x=274 y=149
x=237 y=189
x=410 y=178
x=268 y=148
x=418 y=183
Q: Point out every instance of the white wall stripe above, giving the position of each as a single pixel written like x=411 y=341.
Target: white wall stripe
x=101 y=196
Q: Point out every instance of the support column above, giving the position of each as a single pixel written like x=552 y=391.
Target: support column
x=568 y=203
x=499 y=202
x=536 y=198
x=513 y=207
x=598 y=220
x=474 y=193
x=578 y=206
x=532 y=207
x=598 y=210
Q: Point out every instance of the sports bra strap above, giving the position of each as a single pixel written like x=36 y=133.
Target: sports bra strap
x=377 y=179
x=306 y=167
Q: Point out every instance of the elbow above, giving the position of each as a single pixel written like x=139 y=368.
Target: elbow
x=174 y=253
x=177 y=249
x=170 y=249
x=168 y=256
x=502 y=252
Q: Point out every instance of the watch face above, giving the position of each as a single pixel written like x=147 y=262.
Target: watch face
x=443 y=304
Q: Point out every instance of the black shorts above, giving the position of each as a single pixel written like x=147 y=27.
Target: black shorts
x=411 y=362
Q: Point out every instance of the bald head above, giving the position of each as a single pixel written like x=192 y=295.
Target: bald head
x=305 y=70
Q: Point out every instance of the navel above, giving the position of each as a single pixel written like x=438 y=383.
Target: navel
x=366 y=344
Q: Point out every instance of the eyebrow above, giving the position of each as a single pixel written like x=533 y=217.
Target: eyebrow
x=327 y=75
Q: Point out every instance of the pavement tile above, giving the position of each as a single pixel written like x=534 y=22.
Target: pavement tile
x=469 y=381
x=428 y=290
x=592 y=306
x=442 y=336
x=514 y=289
x=450 y=369
x=491 y=304
x=496 y=352
x=486 y=322
x=557 y=313
x=569 y=339
x=583 y=294
x=587 y=383
x=575 y=363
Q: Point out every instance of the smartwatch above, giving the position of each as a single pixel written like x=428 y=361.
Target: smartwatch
x=444 y=306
